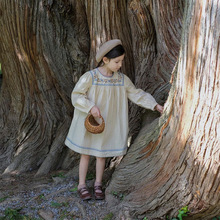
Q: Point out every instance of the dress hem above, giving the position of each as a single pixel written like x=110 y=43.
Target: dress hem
x=94 y=152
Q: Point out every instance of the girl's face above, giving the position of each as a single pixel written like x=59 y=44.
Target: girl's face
x=114 y=64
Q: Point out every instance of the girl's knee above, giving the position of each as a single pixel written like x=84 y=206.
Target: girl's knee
x=84 y=156
x=100 y=158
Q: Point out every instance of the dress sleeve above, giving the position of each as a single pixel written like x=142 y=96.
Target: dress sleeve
x=79 y=94
x=138 y=96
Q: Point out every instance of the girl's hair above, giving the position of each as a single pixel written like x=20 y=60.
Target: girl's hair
x=113 y=53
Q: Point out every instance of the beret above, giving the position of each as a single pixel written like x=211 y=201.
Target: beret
x=106 y=47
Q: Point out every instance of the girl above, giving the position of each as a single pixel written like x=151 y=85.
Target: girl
x=103 y=91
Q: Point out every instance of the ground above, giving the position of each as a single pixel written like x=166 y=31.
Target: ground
x=50 y=197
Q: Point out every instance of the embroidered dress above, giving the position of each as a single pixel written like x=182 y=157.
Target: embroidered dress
x=110 y=95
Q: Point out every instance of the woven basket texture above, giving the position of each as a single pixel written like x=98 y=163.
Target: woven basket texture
x=93 y=126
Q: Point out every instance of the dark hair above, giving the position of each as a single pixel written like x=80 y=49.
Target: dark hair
x=113 y=53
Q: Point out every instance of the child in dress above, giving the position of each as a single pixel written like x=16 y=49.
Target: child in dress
x=103 y=91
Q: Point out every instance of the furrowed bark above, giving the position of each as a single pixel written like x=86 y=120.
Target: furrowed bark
x=158 y=25
x=176 y=162
x=42 y=56
x=108 y=20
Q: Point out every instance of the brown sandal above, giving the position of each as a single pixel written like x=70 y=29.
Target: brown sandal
x=84 y=193
x=99 y=194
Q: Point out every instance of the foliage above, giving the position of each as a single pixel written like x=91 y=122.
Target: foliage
x=13 y=214
x=182 y=212
x=216 y=218
x=74 y=189
x=3 y=198
x=108 y=217
x=41 y=196
x=57 y=205
x=90 y=176
x=118 y=195
x=61 y=175
x=66 y=215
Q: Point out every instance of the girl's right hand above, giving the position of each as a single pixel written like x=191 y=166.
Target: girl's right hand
x=159 y=108
x=95 y=111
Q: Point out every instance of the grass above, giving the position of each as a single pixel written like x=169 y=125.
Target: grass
x=60 y=175
x=58 y=205
x=182 y=212
x=74 y=189
x=109 y=216
x=3 y=199
x=118 y=195
x=90 y=176
x=11 y=214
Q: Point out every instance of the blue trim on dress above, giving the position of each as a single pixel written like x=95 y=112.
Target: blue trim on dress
x=104 y=75
x=89 y=148
x=106 y=82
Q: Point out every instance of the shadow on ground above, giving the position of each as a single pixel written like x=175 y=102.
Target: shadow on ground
x=52 y=197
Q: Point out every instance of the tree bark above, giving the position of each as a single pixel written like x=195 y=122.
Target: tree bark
x=176 y=162
x=108 y=20
x=158 y=25
x=46 y=47
x=43 y=52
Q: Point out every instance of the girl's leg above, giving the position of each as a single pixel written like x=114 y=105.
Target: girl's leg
x=100 y=167
x=83 y=168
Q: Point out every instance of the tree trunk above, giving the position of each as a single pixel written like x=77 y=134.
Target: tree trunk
x=158 y=27
x=176 y=162
x=108 y=20
x=43 y=53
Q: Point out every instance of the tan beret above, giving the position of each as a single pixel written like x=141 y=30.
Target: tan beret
x=106 y=47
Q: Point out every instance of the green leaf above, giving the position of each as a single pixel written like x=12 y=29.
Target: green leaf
x=185 y=209
x=12 y=214
x=114 y=193
x=90 y=176
x=108 y=217
x=61 y=175
x=74 y=189
x=216 y=218
x=41 y=196
x=183 y=212
x=3 y=198
x=56 y=204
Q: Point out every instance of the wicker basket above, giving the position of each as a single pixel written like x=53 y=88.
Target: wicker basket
x=93 y=126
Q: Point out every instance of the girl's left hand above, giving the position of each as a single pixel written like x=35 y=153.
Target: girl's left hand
x=95 y=111
x=159 y=108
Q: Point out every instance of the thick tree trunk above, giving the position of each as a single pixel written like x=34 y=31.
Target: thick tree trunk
x=108 y=20
x=177 y=161
x=158 y=27
x=43 y=52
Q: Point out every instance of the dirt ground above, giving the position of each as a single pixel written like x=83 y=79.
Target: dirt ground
x=52 y=197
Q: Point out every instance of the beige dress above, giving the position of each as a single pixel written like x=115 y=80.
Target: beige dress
x=111 y=95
